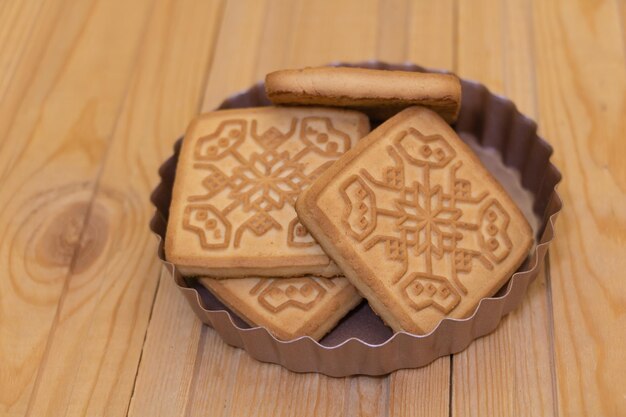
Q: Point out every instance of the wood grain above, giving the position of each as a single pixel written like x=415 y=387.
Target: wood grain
x=176 y=398
x=173 y=320
x=17 y=22
x=431 y=34
x=92 y=96
x=425 y=391
x=169 y=357
x=240 y=29
x=513 y=365
x=56 y=125
x=393 y=26
x=582 y=101
x=99 y=334
x=622 y=10
x=421 y=392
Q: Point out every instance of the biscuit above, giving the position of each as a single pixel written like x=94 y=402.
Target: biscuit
x=379 y=93
x=238 y=176
x=287 y=307
x=416 y=223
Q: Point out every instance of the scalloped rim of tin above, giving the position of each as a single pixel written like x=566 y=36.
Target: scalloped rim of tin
x=457 y=333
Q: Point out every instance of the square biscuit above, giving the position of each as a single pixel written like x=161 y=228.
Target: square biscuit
x=238 y=176
x=287 y=307
x=416 y=222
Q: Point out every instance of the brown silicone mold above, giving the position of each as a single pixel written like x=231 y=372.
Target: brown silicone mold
x=361 y=343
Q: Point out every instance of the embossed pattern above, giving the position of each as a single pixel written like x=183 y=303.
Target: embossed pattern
x=421 y=217
x=300 y=293
x=288 y=307
x=426 y=220
x=241 y=175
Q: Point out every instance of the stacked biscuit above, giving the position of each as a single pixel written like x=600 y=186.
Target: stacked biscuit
x=291 y=214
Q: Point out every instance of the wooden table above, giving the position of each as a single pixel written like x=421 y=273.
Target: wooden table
x=94 y=92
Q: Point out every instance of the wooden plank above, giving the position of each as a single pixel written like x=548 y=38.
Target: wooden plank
x=367 y=396
x=276 y=41
x=326 y=31
x=349 y=34
x=17 y=21
x=581 y=79
x=393 y=27
x=518 y=57
x=426 y=391
x=509 y=371
x=175 y=336
x=480 y=35
x=55 y=126
x=96 y=344
x=169 y=356
x=236 y=52
x=622 y=9
x=248 y=386
x=253 y=388
x=421 y=392
x=431 y=34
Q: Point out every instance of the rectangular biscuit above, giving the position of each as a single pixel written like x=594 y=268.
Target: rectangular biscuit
x=379 y=93
x=287 y=307
x=237 y=179
x=416 y=223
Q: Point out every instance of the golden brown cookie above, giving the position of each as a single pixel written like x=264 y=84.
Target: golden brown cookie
x=287 y=307
x=238 y=176
x=379 y=93
x=416 y=223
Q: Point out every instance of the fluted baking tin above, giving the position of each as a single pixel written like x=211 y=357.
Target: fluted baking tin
x=361 y=343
